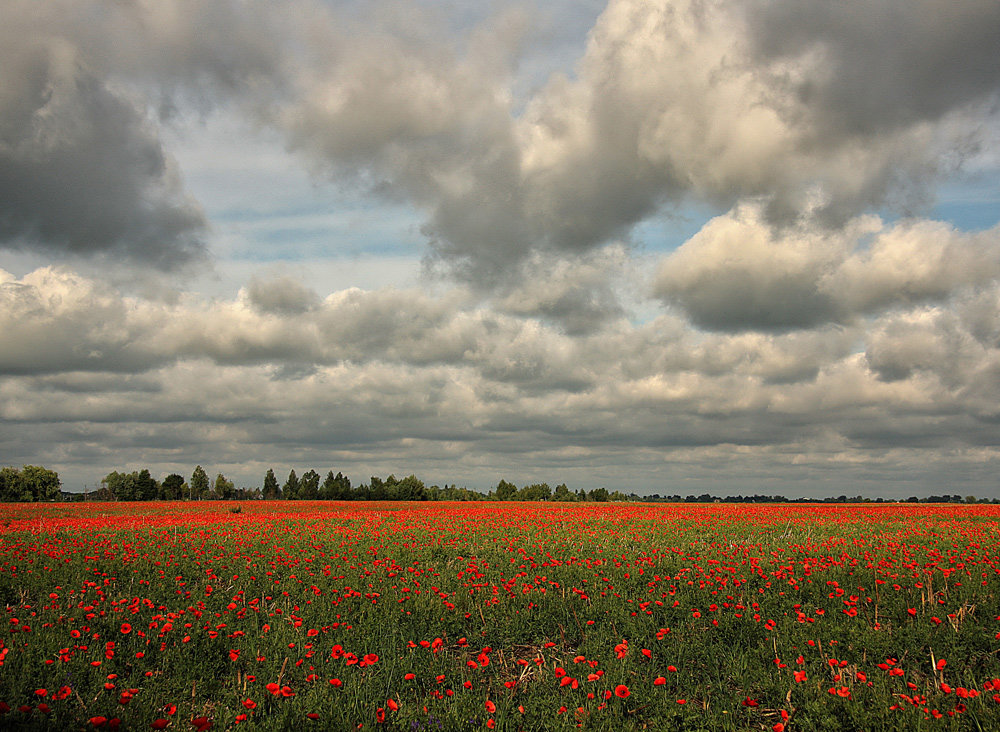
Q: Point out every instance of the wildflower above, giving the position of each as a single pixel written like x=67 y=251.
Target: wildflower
x=621 y=691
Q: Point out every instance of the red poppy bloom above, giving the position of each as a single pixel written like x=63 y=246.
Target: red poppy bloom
x=491 y=707
x=126 y=628
x=621 y=691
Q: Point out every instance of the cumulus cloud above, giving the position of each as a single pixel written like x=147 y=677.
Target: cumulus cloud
x=671 y=101
x=742 y=272
x=388 y=380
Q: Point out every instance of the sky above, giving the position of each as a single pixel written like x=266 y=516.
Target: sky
x=671 y=246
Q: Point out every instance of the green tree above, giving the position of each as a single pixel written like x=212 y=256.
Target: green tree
x=117 y=485
x=199 y=483
x=336 y=487
x=505 y=491
x=309 y=486
x=13 y=486
x=223 y=489
x=146 y=486
x=535 y=492
x=43 y=484
x=410 y=488
x=562 y=493
x=290 y=490
x=271 y=490
x=172 y=487
x=598 y=494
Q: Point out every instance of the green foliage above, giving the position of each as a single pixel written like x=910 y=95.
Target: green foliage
x=290 y=491
x=505 y=491
x=138 y=485
x=223 y=489
x=535 y=492
x=335 y=488
x=199 y=484
x=309 y=486
x=718 y=611
x=271 y=490
x=173 y=487
x=30 y=483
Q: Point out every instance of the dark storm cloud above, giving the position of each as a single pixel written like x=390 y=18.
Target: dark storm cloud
x=82 y=170
x=878 y=65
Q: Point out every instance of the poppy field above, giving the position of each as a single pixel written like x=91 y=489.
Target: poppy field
x=427 y=616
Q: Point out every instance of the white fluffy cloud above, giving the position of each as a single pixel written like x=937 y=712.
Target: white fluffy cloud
x=741 y=272
x=391 y=380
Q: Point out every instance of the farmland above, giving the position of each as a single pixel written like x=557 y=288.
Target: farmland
x=424 y=616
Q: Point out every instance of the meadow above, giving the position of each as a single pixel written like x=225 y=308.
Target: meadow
x=428 y=616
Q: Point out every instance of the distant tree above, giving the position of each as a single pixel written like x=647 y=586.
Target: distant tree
x=199 y=483
x=271 y=490
x=562 y=493
x=172 y=487
x=376 y=489
x=146 y=486
x=12 y=487
x=505 y=491
x=337 y=487
x=223 y=489
x=43 y=484
x=309 y=486
x=119 y=486
x=30 y=483
x=535 y=492
x=290 y=490
x=598 y=494
x=410 y=488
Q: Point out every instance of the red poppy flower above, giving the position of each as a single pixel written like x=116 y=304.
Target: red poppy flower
x=126 y=628
x=621 y=691
x=491 y=707
x=160 y=723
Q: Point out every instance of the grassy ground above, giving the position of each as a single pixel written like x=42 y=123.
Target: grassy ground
x=503 y=616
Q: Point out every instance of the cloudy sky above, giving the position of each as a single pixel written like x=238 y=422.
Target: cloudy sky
x=674 y=246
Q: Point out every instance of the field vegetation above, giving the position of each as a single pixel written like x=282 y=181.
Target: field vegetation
x=442 y=616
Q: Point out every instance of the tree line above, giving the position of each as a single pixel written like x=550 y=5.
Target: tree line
x=35 y=483
x=311 y=486
x=30 y=483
